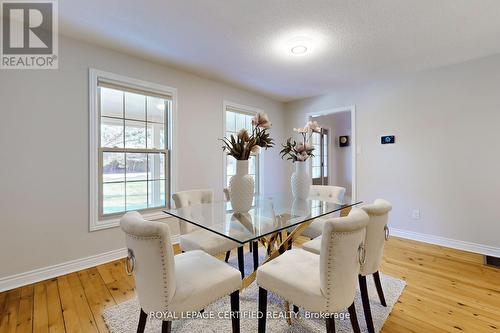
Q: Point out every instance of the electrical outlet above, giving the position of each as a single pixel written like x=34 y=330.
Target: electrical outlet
x=415 y=214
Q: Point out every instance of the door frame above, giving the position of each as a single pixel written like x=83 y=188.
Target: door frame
x=353 y=143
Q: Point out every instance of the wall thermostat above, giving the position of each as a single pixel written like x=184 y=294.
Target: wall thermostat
x=344 y=141
x=388 y=139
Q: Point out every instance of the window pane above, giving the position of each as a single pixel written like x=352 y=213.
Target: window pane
x=156 y=136
x=156 y=193
x=113 y=198
x=113 y=167
x=137 y=195
x=231 y=166
x=111 y=102
x=136 y=166
x=111 y=133
x=248 y=123
x=156 y=166
x=316 y=172
x=236 y=121
x=135 y=106
x=156 y=109
x=230 y=121
x=316 y=162
x=315 y=139
x=135 y=134
x=252 y=164
x=240 y=122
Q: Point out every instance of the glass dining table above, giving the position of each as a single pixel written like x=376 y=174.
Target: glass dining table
x=274 y=220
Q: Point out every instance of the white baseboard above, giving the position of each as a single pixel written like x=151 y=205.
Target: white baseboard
x=40 y=274
x=447 y=242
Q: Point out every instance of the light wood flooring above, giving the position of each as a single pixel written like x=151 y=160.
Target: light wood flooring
x=447 y=291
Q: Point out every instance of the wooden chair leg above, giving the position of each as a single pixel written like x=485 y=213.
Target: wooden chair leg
x=166 y=326
x=250 y=247
x=366 y=303
x=241 y=263
x=228 y=254
x=142 y=321
x=262 y=310
x=380 y=291
x=235 y=311
x=255 y=246
x=330 y=325
x=354 y=319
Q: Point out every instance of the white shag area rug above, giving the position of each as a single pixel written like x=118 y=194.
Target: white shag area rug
x=123 y=318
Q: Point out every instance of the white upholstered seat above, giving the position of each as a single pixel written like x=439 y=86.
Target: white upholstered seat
x=200 y=279
x=324 y=283
x=313 y=246
x=295 y=276
x=324 y=193
x=168 y=284
x=206 y=241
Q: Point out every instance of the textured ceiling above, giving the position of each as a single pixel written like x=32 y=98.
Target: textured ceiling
x=241 y=41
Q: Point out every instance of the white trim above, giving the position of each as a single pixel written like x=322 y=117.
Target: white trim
x=250 y=110
x=447 y=242
x=94 y=76
x=40 y=274
x=352 y=109
x=115 y=222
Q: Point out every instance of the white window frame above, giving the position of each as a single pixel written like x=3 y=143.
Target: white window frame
x=250 y=110
x=95 y=221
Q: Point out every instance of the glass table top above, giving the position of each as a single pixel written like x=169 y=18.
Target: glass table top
x=270 y=213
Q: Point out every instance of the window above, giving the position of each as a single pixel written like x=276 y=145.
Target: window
x=131 y=130
x=238 y=117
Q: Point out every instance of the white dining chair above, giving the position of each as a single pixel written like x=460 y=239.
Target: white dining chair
x=377 y=232
x=173 y=285
x=195 y=238
x=324 y=193
x=324 y=283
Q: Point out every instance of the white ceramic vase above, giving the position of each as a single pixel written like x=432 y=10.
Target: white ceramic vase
x=241 y=188
x=301 y=181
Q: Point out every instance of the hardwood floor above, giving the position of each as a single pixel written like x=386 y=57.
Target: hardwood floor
x=447 y=291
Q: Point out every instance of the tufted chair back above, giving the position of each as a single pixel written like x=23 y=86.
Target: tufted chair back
x=188 y=198
x=375 y=234
x=152 y=257
x=341 y=255
x=327 y=193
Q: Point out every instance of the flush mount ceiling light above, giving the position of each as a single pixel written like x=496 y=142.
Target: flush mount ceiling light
x=299 y=44
x=299 y=49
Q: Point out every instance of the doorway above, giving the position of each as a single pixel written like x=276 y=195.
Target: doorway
x=319 y=162
x=334 y=161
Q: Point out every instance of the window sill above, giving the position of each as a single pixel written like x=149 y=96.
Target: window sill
x=115 y=222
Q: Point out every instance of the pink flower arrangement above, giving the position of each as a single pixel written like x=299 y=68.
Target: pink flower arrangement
x=303 y=150
x=243 y=145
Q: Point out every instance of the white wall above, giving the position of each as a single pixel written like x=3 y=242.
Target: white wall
x=340 y=158
x=446 y=160
x=44 y=178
